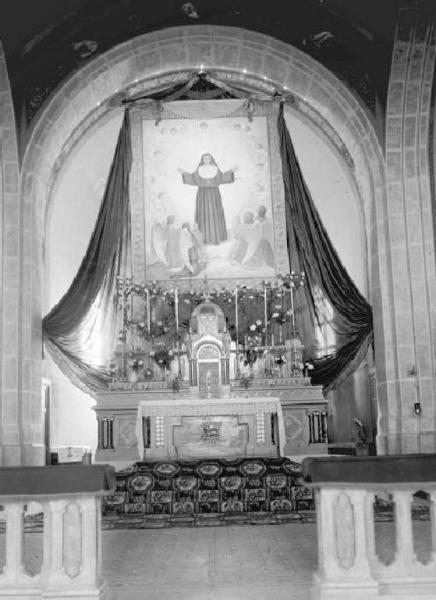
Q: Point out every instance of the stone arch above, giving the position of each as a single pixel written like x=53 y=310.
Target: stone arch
x=240 y=57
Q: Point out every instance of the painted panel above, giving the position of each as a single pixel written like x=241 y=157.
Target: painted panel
x=217 y=436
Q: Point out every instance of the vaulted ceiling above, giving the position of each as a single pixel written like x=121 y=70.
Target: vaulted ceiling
x=45 y=40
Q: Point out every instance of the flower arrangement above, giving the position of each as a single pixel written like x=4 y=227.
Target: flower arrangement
x=245 y=381
x=251 y=355
x=175 y=384
x=281 y=317
x=113 y=370
x=135 y=364
x=255 y=331
x=308 y=366
x=281 y=360
x=163 y=357
x=148 y=373
x=253 y=342
x=148 y=311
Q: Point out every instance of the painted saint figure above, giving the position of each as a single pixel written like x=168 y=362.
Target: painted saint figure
x=209 y=212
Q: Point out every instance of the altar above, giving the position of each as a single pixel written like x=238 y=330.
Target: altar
x=214 y=428
x=211 y=399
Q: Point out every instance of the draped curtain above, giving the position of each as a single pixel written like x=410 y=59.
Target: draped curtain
x=311 y=250
x=95 y=280
x=107 y=256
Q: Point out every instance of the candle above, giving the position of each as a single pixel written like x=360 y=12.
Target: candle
x=236 y=317
x=292 y=314
x=237 y=330
x=265 y=316
x=148 y=310
x=176 y=308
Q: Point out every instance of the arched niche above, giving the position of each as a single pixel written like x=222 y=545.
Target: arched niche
x=152 y=61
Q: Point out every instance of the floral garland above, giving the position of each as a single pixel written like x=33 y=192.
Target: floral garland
x=159 y=326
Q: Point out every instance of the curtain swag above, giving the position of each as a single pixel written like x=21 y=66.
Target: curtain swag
x=311 y=250
x=106 y=251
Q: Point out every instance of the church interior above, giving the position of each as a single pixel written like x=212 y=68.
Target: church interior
x=217 y=284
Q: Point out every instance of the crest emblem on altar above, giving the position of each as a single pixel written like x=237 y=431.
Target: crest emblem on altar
x=210 y=431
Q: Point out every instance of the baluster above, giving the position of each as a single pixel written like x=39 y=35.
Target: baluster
x=54 y=541
x=405 y=556
x=363 y=526
x=370 y=529
x=324 y=500
x=90 y=541
x=14 y=515
x=342 y=524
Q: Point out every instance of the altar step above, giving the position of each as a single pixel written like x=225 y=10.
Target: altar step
x=245 y=486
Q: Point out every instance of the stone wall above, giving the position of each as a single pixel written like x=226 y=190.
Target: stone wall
x=20 y=338
x=408 y=375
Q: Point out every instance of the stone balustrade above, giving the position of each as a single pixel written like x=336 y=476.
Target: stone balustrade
x=348 y=563
x=69 y=498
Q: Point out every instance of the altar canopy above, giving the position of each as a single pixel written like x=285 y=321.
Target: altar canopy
x=108 y=257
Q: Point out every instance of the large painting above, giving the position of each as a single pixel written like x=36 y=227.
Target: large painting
x=207 y=193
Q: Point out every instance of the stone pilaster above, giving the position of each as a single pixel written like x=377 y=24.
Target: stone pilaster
x=409 y=374
x=20 y=381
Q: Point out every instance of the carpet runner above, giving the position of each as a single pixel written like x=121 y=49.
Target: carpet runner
x=195 y=490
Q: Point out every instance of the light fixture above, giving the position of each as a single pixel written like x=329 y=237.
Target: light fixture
x=417 y=408
x=412 y=371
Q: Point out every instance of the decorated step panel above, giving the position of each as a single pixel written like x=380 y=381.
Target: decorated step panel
x=210 y=486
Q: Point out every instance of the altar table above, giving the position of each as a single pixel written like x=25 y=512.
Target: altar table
x=208 y=428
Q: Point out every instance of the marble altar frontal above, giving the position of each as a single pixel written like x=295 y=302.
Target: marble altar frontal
x=214 y=428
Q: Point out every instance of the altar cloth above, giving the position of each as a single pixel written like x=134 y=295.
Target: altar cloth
x=209 y=408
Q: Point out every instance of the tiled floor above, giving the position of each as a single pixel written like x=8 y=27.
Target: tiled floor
x=245 y=562
x=226 y=562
